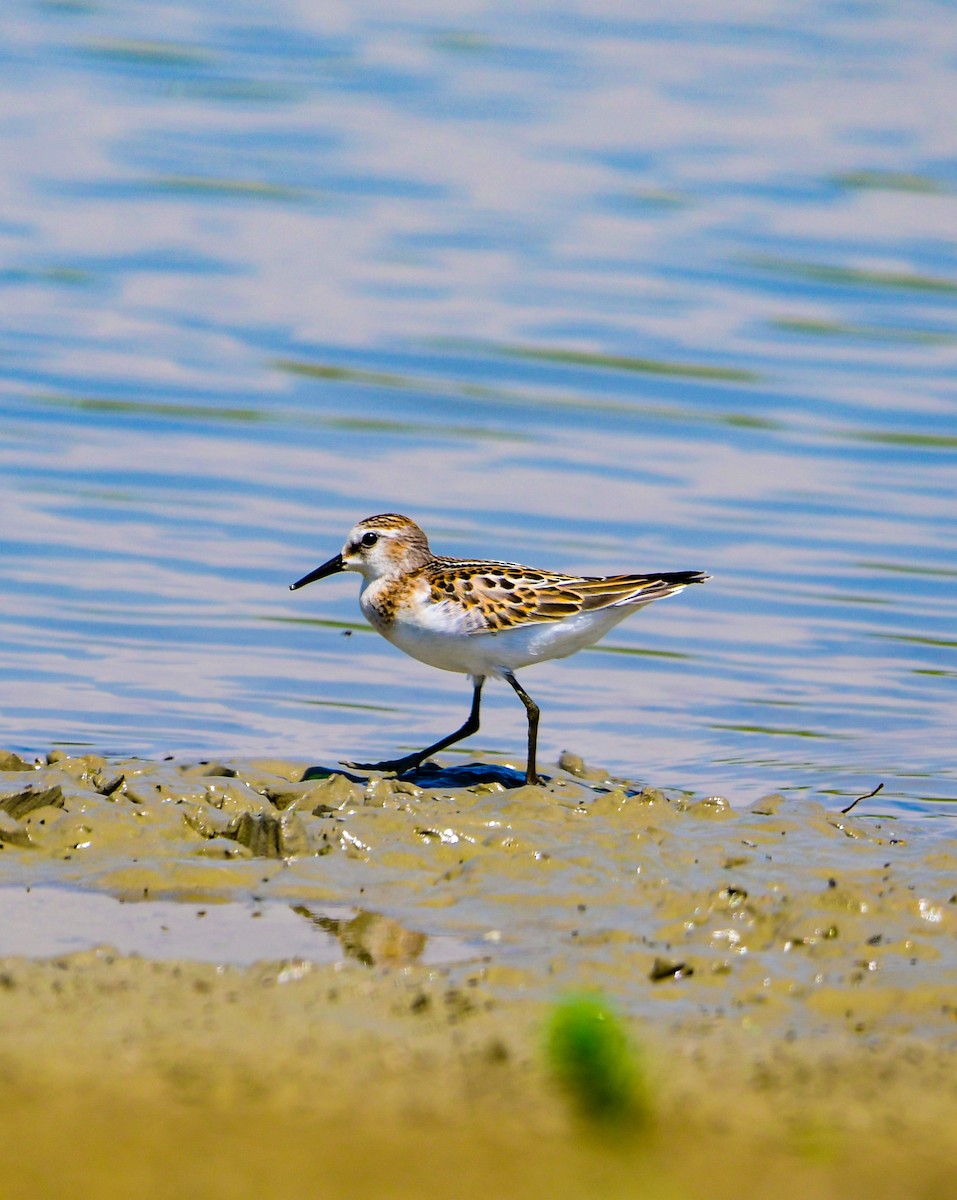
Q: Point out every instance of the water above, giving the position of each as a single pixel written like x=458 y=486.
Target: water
x=590 y=288
x=48 y=921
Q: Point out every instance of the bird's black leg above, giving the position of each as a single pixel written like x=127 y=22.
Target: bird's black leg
x=531 y=775
x=411 y=761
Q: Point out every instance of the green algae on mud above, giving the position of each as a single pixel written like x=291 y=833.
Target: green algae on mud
x=590 y=1055
x=806 y=1015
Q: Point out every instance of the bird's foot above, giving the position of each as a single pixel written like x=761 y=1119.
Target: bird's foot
x=395 y=766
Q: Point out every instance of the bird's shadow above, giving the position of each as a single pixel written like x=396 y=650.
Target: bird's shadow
x=431 y=774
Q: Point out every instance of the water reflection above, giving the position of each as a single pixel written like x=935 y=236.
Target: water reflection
x=370 y=938
x=45 y=921
x=590 y=292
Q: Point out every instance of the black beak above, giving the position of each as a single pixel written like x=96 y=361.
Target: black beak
x=330 y=568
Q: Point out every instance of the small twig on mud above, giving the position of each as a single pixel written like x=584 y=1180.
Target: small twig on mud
x=867 y=796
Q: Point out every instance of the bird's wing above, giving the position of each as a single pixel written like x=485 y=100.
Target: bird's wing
x=493 y=596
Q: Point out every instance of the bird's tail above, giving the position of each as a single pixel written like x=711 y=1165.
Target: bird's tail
x=656 y=587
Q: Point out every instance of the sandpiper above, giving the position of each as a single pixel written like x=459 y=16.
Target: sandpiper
x=481 y=619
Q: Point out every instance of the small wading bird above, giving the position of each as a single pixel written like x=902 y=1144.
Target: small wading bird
x=482 y=619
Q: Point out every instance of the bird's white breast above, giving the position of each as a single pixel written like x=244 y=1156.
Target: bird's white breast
x=436 y=633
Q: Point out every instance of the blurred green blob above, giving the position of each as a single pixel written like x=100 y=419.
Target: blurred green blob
x=590 y=1054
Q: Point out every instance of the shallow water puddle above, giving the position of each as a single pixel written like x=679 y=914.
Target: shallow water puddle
x=47 y=921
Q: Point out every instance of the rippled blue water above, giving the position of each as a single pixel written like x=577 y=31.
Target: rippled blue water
x=581 y=286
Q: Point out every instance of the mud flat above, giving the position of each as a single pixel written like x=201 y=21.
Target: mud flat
x=786 y=977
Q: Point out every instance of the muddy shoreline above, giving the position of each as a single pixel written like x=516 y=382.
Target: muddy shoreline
x=786 y=976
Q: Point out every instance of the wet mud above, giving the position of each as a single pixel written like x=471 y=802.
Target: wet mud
x=785 y=975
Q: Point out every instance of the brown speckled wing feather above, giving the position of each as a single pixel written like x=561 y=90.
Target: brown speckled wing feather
x=506 y=595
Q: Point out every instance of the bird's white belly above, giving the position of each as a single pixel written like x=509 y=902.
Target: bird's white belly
x=440 y=644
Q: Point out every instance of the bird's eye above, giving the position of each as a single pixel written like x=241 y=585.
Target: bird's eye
x=369 y=539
